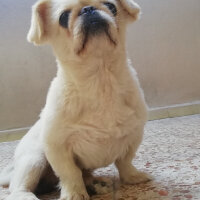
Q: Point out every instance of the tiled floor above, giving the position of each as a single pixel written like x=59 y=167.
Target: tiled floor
x=170 y=152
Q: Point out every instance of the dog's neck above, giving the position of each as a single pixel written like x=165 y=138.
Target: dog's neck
x=82 y=71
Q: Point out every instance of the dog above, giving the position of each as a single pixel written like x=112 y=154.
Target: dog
x=95 y=110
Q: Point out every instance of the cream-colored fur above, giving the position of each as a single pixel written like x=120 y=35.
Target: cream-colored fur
x=95 y=111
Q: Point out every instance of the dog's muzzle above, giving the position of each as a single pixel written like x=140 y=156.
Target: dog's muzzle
x=93 y=22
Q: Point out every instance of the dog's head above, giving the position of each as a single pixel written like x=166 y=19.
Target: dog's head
x=80 y=26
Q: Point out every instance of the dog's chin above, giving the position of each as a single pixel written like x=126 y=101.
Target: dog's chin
x=94 y=38
x=96 y=43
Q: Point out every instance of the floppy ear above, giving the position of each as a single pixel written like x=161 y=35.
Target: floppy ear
x=132 y=8
x=38 y=32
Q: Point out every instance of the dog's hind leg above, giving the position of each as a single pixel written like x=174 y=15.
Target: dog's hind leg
x=27 y=173
x=29 y=165
x=6 y=174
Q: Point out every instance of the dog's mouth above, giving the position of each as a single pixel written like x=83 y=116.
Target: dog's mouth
x=93 y=25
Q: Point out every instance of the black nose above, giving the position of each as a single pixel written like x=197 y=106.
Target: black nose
x=87 y=10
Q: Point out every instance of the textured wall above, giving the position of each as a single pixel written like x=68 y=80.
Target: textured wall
x=164 y=47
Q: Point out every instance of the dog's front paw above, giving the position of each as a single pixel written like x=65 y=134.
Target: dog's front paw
x=76 y=196
x=136 y=177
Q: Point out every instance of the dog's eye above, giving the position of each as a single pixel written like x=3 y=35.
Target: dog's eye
x=111 y=7
x=64 y=18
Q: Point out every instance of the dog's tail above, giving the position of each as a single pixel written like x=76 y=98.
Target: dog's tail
x=6 y=174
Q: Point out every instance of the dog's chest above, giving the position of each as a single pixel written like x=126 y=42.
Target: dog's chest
x=94 y=150
x=103 y=130
x=101 y=101
x=97 y=123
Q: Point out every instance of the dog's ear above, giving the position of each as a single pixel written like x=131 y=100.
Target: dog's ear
x=131 y=8
x=38 y=31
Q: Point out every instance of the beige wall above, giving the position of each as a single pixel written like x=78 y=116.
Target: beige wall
x=164 y=47
x=25 y=71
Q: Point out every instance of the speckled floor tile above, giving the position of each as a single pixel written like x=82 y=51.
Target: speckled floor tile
x=170 y=152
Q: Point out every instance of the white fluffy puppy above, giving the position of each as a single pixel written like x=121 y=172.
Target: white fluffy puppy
x=95 y=111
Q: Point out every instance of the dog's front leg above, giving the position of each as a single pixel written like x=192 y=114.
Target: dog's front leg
x=62 y=161
x=128 y=173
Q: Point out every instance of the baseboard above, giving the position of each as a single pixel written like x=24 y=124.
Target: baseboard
x=13 y=134
x=174 y=111
x=154 y=114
